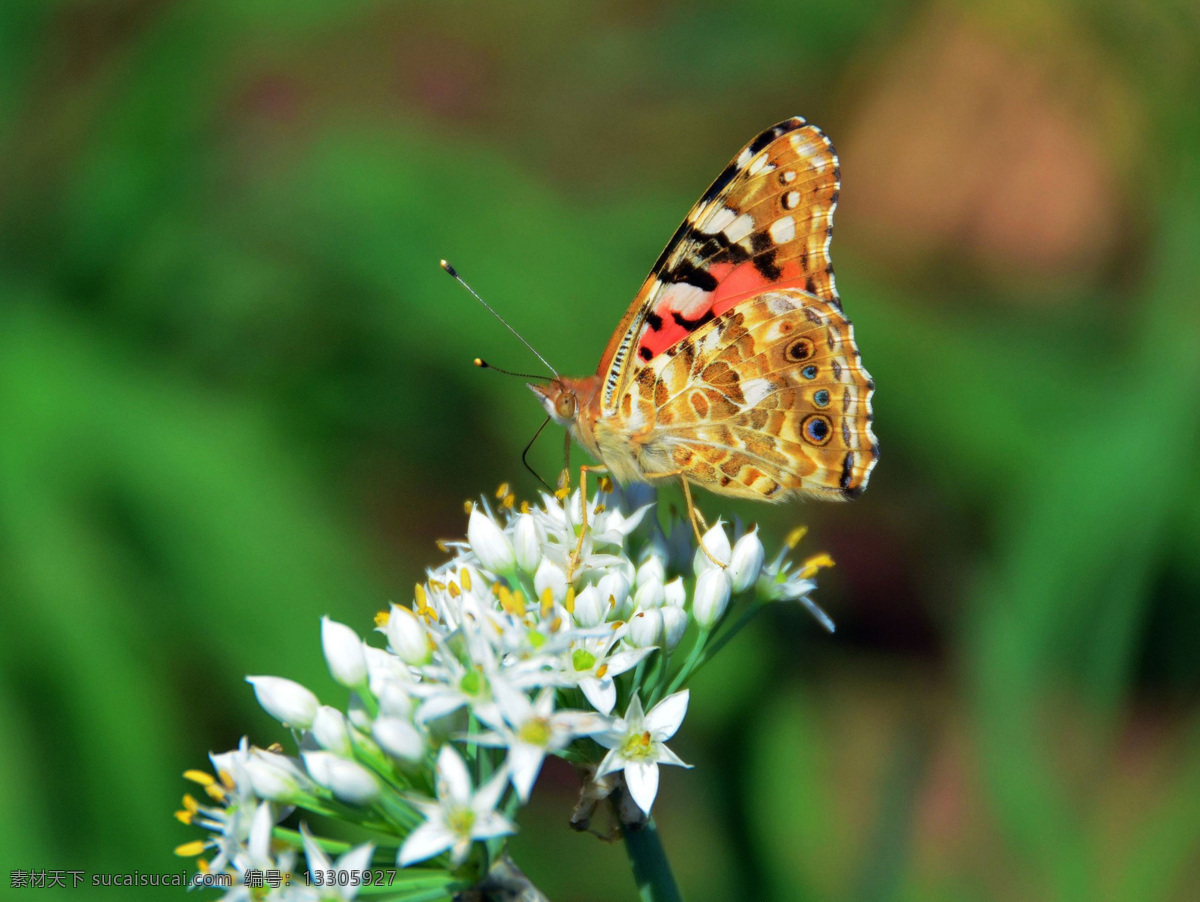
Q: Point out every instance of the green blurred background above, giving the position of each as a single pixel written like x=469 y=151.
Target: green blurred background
x=236 y=394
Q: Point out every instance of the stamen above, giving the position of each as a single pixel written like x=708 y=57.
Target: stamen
x=465 y=577
x=815 y=563
x=569 y=602
x=199 y=776
x=794 y=537
x=191 y=849
x=502 y=491
x=382 y=617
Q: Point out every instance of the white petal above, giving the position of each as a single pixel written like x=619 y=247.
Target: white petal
x=642 y=779
x=665 y=756
x=634 y=715
x=490 y=544
x=526 y=763
x=429 y=839
x=330 y=732
x=399 y=738
x=712 y=597
x=601 y=694
x=407 y=636
x=717 y=543
x=528 y=539
x=746 y=561
x=490 y=823
x=453 y=781
x=625 y=660
x=317 y=859
x=259 y=842
x=488 y=796
x=667 y=715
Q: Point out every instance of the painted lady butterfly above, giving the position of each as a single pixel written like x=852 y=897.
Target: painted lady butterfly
x=734 y=367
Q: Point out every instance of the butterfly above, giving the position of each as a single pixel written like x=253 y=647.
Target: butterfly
x=735 y=368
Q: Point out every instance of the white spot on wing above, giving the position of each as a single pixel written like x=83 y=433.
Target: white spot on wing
x=791 y=200
x=754 y=390
x=743 y=158
x=789 y=176
x=687 y=300
x=760 y=165
x=717 y=222
x=782 y=230
x=779 y=304
x=740 y=228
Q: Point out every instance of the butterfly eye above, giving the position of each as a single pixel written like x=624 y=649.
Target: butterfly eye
x=821 y=398
x=816 y=429
x=566 y=406
x=800 y=349
x=809 y=372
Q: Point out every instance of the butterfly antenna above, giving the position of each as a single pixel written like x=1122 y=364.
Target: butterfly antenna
x=484 y=365
x=525 y=453
x=454 y=274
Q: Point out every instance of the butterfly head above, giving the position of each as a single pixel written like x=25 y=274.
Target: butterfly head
x=560 y=400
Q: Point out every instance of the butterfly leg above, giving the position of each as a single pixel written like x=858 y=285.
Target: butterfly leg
x=578 y=552
x=695 y=518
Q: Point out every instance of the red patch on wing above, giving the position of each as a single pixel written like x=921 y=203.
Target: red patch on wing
x=734 y=285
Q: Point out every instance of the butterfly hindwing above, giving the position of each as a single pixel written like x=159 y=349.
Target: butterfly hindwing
x=765 y=400
x=764 y=223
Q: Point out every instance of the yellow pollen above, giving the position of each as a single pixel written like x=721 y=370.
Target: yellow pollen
x=503 y=490
x=441 y=587
x=190 y=849
x=466 y=580
x=612 y=602
x=525 y=508
x=562 y=493
x=600 y=508
x=190 y=803
x=569 y=603
x=468 y=506
x=441 y=545
x=601 y=671
x=556 y=624
x=184 y=817
x=794 y=537
x=815 y=563
x=454 y=593
x=226 y=779
x=276 y=748
x=382 y=618
x=203 y=866
x=508 y=501
x=215 y=792
x=199 y=776
x=547 y=601
x=606 y=484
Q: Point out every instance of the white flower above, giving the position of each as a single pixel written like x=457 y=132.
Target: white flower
x=530 y=730
x=613 y=590
x=490 y=544
x=712 y=597
x=637 y=743
x=355 y=861
x=407 y=636
x=746 y=561
x=348 y=780
x=588 y=665
x=275 y=777
x=778 y=582
x=343 y=653
x=285 y=700
x=459 y=816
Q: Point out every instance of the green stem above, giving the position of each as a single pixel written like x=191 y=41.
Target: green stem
x=651 y=869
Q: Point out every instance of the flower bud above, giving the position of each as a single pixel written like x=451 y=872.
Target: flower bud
x=399 y=738
x=273 y=777
x=717 y=544
x=550 y=576
x=746 y=562
x=348 y=780
x=285 y=700
x=330 y=732
x=589 y=609
x=712 y=597
x=645 y=629
x=651 y=571
x=528 y=539
x=343 y=653
x=490 y=544
x=674 y=594
x=649 y=595
x=675 y=621
x=407 y=636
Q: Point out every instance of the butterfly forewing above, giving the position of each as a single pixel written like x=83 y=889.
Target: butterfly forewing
x=765 y=222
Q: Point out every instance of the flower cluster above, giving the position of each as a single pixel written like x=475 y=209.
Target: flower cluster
x=539 y=636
